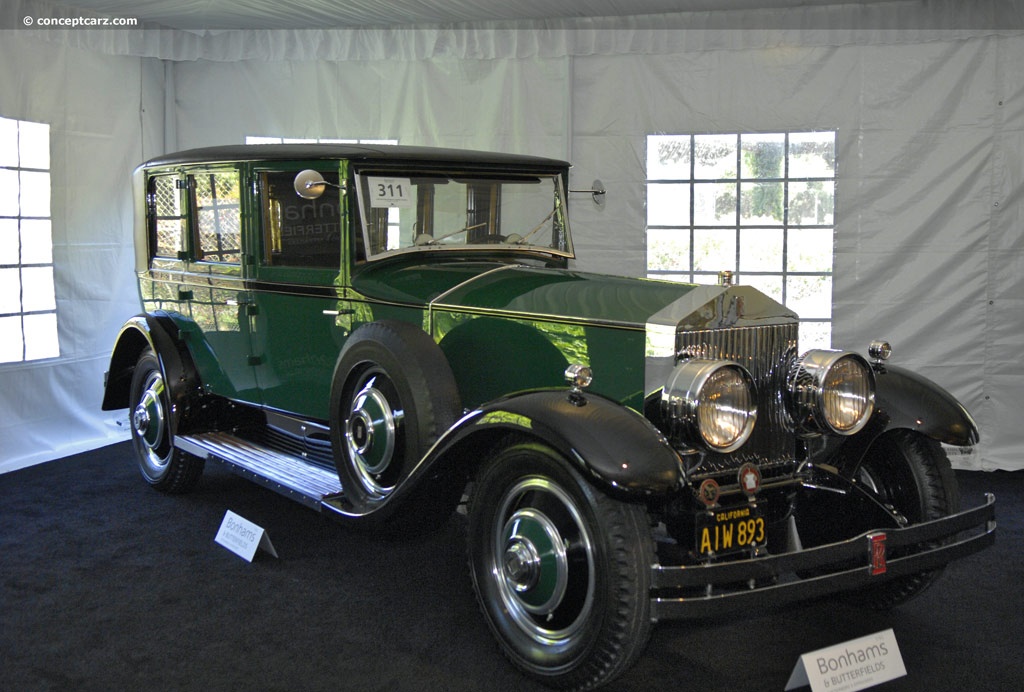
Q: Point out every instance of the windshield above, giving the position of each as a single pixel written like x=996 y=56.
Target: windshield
x=442 y=211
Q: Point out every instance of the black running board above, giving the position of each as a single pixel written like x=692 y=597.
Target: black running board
x=284 y=473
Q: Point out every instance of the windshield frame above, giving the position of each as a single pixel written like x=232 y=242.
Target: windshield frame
x=558 y=217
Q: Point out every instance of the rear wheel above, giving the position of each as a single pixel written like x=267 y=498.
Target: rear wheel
x=560 y=570
x=394 y=395
x=910 y=472
x=164 y=466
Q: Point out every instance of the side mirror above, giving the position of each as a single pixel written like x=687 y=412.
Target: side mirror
x=597 y=191
x=310 y=184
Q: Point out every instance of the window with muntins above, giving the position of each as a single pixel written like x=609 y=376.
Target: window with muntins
x=759 y=205
x=28 y=305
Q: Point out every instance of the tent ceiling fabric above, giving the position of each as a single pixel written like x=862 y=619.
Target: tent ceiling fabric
x=203 y=15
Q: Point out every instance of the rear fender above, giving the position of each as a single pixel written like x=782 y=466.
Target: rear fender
x=160 y=333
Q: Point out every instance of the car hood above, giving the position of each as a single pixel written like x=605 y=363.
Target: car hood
x=519 y=290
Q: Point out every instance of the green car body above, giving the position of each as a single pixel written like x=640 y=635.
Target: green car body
x=373 y=330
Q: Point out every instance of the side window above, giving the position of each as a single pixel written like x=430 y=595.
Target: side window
x=218 y=216
x=300 y=232
x=167 y=221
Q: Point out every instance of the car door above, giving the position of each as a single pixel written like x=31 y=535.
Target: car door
x=218 y=300
x=301 y=315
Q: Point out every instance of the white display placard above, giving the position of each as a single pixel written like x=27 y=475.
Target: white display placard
x=390 y=192
x=242 y=537
x=854 y=665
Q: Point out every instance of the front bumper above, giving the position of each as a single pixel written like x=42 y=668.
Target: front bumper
x=773 y=581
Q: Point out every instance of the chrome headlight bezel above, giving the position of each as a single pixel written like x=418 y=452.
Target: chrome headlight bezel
x=831 y=392
x=710 y=403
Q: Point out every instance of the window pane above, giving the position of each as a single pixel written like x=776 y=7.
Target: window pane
x=761 y=204
x=8 y=192
x=714 y=156
x=761 y=250
x=34 y=145
x=810 y=250
x=9 y=253
x=35 y=193
x=668 y=250
x=763 y=156
x=219 y=216
x=812 y=155
x=812 y=203
x=41 y=336
x=815 y=335
x=170 y=220
x=11 y=345
x=714 y=204
x=668 y=157
x=668 y=205
x=36 y=243
x=10 y=290
x=809 y=296
x=769 y=285
x=678 y=278
x=299 y=232
x=714 y=251
x=37 y=289
x=8 y=142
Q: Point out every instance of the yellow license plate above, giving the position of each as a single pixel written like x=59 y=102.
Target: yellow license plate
x=726 y=530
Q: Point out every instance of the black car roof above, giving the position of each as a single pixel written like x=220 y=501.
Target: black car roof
x=391 y=153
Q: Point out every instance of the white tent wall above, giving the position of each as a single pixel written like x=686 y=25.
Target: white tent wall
x=929 y=249
x=50 y=408
x=499 y=105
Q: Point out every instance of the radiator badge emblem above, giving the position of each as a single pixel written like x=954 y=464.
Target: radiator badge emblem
x=749 y=478
x=709 y=492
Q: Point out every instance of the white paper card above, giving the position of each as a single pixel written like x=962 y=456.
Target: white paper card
x=242 y=537
x=390 y=192
x=854 y=665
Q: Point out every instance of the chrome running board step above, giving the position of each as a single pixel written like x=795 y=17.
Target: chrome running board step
x=289 y=475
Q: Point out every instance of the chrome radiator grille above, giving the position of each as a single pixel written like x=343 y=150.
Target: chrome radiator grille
x=766 y=353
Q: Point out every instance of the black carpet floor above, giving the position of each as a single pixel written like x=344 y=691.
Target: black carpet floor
x=106 y=584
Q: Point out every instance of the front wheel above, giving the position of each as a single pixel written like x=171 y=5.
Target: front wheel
x=561 y=571
x=164 y=466
x=911 y=473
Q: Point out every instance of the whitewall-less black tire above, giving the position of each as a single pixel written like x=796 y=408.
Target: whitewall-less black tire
x=561 y=571
x=163 y=466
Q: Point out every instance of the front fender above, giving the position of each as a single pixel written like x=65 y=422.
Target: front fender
x=906 y=400
x=915 y=402
x=617 y=448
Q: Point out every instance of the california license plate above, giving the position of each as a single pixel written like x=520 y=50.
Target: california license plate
x=727 y=530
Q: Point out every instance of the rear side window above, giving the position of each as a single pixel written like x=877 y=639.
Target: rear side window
x=167 y=220
x=218 y=216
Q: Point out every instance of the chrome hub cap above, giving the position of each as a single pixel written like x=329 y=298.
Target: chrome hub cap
x=543 y=562
x=149 y=421
x=371 y=432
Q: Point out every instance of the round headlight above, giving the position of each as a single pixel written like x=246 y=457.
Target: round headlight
x=831 y=391
x=711 y=402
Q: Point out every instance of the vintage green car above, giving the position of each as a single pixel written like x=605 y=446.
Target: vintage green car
x=383 y=332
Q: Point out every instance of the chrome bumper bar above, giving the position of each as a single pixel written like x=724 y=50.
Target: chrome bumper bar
x=856 y=562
